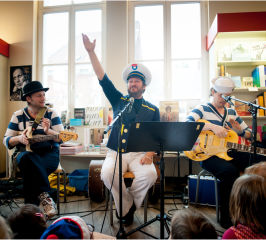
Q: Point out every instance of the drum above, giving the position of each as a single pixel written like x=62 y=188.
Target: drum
x=96 y=185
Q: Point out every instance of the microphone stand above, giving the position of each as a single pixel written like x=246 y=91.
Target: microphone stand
x=253 y=109
x=119 y=118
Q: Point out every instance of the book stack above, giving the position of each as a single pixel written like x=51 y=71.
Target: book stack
x=70 y=148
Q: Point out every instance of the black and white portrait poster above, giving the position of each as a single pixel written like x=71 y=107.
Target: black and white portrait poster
x=19 y=76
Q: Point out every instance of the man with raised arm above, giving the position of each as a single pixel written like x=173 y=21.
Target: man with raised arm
x=137 y=77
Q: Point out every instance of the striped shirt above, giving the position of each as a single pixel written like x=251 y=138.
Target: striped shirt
x=208 y=112
x=22 y=117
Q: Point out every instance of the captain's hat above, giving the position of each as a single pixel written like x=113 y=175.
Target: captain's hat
x=137 y=70
x=223 y=85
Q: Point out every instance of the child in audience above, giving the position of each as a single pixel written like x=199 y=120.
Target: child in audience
x=68 y=227
x=28 y=222
x=248 y=208
x=258 y=169
x=5 y=231
x=187 y=224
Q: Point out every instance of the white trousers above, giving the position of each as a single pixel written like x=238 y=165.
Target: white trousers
x=145 y=177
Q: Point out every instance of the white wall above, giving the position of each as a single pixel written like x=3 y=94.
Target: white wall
x=116 y=41
x=16 y=28
x=3 y=106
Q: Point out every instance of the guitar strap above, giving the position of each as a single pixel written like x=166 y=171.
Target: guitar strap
x=219 y=115
x=38 y=118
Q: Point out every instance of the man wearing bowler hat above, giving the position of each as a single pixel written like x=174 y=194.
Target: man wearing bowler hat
x=137 y=77
x=35 y=166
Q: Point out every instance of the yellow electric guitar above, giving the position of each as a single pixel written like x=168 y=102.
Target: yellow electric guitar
x=64 y=136
x=208 y=145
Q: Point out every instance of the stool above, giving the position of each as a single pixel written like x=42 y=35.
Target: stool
x=205 y=172
x=58 y=171
x=128 y=176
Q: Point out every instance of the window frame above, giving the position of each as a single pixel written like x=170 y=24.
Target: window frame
x=71 y=9
x=167 y=43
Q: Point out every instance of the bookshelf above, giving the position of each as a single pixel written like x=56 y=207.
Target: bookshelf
x=237 y=45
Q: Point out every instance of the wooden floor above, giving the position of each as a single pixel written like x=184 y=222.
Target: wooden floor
x=93 y=213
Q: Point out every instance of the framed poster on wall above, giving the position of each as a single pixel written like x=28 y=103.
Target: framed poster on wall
x=19 y=77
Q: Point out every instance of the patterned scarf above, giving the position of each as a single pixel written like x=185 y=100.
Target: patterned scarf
x=244 y=232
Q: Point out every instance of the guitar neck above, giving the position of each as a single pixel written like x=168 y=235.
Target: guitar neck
x=245 y=148
x=43 y=138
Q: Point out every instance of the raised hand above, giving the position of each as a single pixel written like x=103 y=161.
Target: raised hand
x=90 y=46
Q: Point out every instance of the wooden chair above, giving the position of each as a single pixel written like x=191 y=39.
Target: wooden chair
x=128 y=178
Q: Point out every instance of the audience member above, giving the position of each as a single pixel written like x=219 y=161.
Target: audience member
x=28 y=222
x=187 y=224
x=258 y=169
x=68 y=227
x=5 y=231
x=248 y=208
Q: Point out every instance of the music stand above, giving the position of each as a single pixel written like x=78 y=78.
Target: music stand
x=160 y=137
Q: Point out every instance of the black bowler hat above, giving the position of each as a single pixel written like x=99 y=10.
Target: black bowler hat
x=32 y=87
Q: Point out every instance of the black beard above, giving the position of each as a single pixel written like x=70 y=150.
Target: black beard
x=137 y=94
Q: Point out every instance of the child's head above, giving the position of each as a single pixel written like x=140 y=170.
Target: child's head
x=27 y=222
x=5 y=232
x=68 y=227
x=247 y=202
x=258 y=169
x=187 y=224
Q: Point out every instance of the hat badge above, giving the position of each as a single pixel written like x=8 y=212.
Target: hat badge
x=134 y=66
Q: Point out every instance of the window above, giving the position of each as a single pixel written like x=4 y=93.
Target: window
x=185 y=51
x=167 y=39
x=149 y=46
x=64 y=64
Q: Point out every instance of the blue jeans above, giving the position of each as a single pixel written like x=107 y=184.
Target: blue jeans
x=35 y=169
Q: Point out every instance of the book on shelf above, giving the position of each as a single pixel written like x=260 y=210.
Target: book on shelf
x=258 y=75
x=262 y=75
x=264 y=98
x=79 y=113
x=260 y=102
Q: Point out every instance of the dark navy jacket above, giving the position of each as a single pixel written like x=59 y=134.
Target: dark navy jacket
x=147 y=112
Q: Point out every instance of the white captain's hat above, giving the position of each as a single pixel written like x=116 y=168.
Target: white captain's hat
x=137 y=70
x=223 y=85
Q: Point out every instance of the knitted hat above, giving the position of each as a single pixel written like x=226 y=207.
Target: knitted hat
x=67 y=227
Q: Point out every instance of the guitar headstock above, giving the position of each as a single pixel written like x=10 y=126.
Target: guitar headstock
x=66 y=136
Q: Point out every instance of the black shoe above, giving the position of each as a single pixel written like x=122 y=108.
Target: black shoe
x=129 y=217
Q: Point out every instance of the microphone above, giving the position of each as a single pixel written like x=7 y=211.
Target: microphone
x=126 y=109
x=131 y=101
x=228 y=99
